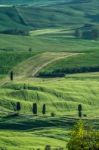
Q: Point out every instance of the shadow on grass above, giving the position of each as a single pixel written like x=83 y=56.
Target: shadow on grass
x=28 y=123
x=36 y=123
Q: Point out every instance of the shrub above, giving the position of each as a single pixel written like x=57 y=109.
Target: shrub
x=47 y=147
x=52 y=114
x=83 y=138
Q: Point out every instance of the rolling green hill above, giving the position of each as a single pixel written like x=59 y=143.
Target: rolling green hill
x=61 y=97
x=49 y=50
x=48 y=46
x=57 y=96
x=61 y=14
x=31 y=2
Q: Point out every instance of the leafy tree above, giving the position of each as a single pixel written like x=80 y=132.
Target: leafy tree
x=18 y=106
x=83 y=138
x=44 y=109
x=34 y=109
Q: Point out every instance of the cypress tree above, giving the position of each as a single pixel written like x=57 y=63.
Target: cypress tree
x=34 y=109
x=79 y=110
x=11 y=75
x=79 y=107
x=18 y=106
x=44 y=109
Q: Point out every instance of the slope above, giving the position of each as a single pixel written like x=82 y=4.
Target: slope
x=33 y=65
x=57 y=15
x=61 y=96
x=31 y=2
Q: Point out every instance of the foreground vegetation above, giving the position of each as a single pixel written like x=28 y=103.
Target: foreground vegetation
x=84 y=137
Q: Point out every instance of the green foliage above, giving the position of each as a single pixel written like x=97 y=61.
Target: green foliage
x=83 y=138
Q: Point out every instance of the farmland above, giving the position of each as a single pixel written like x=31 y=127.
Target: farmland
x=61 y=95
x=50 y=66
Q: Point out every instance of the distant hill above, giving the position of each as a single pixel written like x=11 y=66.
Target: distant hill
x=31 y=2
x=57 y=15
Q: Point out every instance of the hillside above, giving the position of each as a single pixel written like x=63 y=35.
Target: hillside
x=52 y=68
x=31 y=2
x=61 y=97
x=57 y=97
x=57 y=15
x=48 y=46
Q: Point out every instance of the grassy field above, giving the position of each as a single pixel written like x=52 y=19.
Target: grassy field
x=55 y=95
x=53 y=14
x=33 y=2
x=50 y=48
x=81 y=53
x=61 y=96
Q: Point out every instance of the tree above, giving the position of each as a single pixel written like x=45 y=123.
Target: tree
x=44 y=109
x=83 y=138
x=11 y=75
x=18 y=106
x=80 y=110
x=24 y=86
x=34 y=109
x=47 y=147
x=30 y=49
x=79 y=107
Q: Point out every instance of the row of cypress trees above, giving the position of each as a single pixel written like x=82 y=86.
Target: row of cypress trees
x=34 y=108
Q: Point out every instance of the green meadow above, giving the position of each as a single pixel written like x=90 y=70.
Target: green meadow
x=61 y=95
x=50 y=49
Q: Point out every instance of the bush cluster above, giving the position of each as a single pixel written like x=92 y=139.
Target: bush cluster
x=83 y=138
